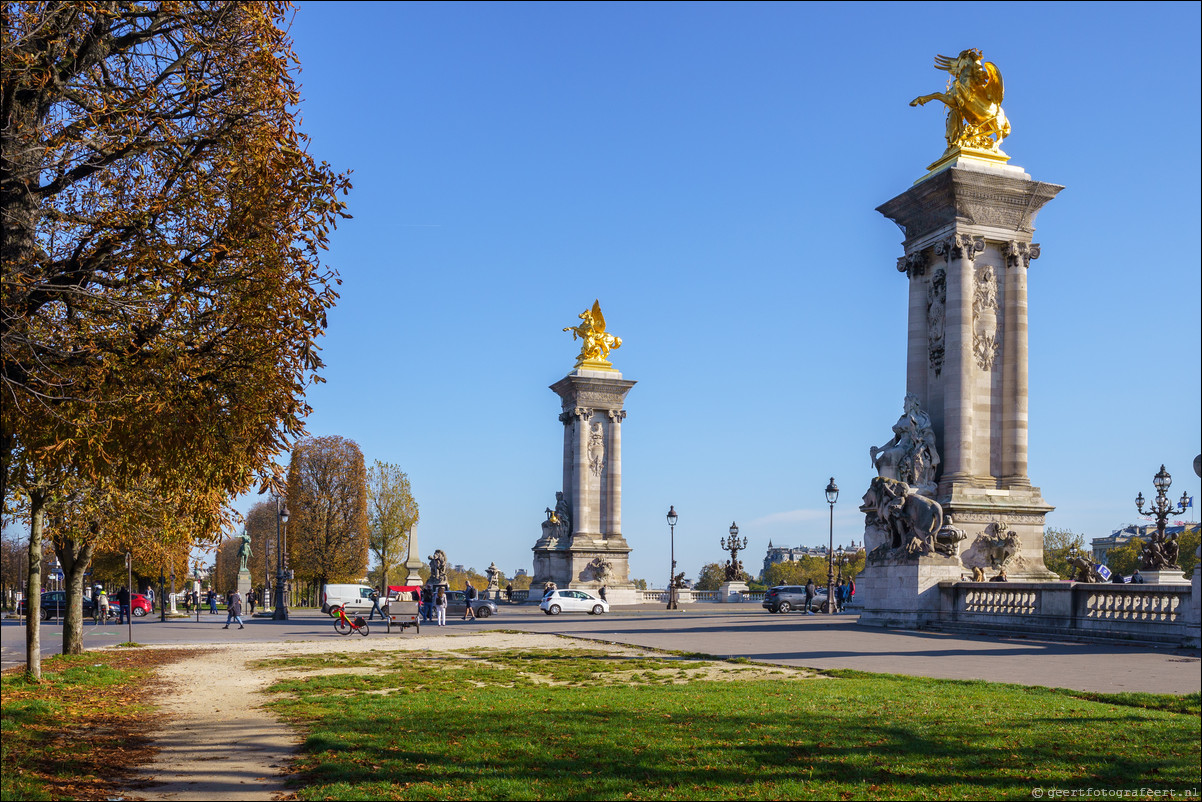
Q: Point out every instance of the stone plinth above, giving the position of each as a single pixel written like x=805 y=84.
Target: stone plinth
x=731 y=591
x=588 y=550
x=244 y=583
x=968 y=247
x=1166 y=576
x=894 y=593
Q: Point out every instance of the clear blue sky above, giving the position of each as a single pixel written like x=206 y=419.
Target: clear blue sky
x=710 y=172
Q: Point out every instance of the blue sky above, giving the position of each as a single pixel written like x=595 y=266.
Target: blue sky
x=710 y=172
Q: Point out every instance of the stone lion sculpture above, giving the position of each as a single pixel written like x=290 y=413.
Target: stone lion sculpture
x=910 y=522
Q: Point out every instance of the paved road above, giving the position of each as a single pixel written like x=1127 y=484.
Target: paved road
x=735 y=631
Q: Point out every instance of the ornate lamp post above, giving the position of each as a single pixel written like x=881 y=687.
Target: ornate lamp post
x=672 y=518
x=733 y=568
x=1160 y=553
x=832 y=495
x=281 y=518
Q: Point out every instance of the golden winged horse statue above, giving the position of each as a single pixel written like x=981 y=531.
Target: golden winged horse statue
x=594 y=353
x=974 y=102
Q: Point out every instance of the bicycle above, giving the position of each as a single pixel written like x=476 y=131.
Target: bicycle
x=345 y=626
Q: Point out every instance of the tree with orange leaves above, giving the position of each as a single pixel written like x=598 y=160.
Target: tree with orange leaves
x=327 y=504
x=162 y=287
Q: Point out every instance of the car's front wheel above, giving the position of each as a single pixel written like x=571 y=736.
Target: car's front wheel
x=553 y=609
x=43 y=614
x=598 y=609
x=483 y=612
x=784 y=607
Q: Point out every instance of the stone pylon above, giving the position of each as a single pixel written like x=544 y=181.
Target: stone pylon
x=588 y=550
x=968 y=246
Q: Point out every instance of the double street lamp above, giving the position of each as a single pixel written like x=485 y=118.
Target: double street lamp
x=281 y=518
x=672 y=518
x=832 y=495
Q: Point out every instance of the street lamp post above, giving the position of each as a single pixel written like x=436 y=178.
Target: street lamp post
x=832 y=495
x=196 y=573
x=281 y=518
x=734 y=568
x=1157 y=554
x=672 y=518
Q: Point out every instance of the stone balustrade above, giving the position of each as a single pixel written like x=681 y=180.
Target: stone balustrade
x=1158 y=613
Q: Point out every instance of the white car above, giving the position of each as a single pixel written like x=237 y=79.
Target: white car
x=573 y=601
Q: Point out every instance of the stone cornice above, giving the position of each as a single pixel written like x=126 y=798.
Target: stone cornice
x=958 y=197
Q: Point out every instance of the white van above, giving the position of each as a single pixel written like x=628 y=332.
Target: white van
x=354 y=598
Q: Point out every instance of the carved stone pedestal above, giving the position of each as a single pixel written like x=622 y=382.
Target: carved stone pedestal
x=903 y=593
x=582 y=544
x=1165 y=576
x=244 y=583
x=731 y=591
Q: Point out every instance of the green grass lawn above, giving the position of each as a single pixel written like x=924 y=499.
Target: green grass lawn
x=574 y=724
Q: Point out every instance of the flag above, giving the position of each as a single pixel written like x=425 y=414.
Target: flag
x=1103 y=572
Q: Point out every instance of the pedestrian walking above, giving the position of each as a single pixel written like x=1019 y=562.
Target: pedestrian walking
x=602 y=593
x=440 y=606
x=150 y=597
x=469 y=595
x=250 y=602
x=375 y=605
x=233 y=610
x=509 y=592
x=810 y=591
x=123 y=602
x=212 y=602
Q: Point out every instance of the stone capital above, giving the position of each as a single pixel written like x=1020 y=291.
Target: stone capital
x=575 y=414
x=616 y=415
x=913 y=264
x=960 y=246
x=1020 y=253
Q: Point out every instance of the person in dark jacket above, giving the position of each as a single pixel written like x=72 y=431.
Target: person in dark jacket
x=123 y=599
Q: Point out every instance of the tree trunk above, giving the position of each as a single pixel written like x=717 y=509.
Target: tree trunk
x=74 y=556
x=33 y=600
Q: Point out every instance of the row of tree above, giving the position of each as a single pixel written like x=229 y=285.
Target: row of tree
x=162 y=288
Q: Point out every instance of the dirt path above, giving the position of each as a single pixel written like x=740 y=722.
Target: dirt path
x=217 y=742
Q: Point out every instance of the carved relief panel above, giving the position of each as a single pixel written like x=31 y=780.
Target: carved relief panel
x=936 y=312
x=985 y=318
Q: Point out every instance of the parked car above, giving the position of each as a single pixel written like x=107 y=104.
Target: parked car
x=54 y=606
x=783 y=598
x=572 y=601
x=457 y=604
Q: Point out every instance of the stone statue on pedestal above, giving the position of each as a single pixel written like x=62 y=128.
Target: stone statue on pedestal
x=903 y=521
x=910 y=456
x=438 y=567
x=492 y=572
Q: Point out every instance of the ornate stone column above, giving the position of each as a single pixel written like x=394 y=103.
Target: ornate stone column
x=959 y=251
x=1014 y=465
x=612 y=525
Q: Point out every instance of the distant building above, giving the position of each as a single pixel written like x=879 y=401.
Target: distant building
x=1102 y=546
x=782 y=554
x=519 y=572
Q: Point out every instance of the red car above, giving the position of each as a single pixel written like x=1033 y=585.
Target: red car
x=140 y=604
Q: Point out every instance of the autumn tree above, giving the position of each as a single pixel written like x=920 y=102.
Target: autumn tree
x=327 y=502
x=161 y=289
x=710 y=577
x=1125 y=559
x=225 y=577
x=1058 y=544
x=391 y=514
x=263 y=526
